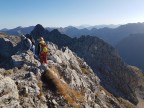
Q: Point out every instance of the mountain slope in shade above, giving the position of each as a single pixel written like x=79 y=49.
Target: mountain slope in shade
x=132 y=50
x=116 y=76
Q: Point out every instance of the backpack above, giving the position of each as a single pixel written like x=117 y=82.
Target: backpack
x=44 y=48
x=27 y=44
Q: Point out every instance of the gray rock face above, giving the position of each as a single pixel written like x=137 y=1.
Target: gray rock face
x=73 y=67
x=9 y=46
x=6 y=51
x=79 y=76
x=115 y=75
x=6 y=48
x=9 y=97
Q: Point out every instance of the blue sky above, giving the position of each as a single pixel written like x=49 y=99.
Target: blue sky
x=56 y=13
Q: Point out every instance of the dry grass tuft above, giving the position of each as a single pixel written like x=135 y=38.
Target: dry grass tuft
x=71 y=96
x=8 y=72
x=55 y=70
x=21 y=100
x=40 y=84
x=84 y=70
x=125 y=103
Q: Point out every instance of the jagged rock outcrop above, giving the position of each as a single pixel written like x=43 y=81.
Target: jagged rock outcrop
x=9 y=46
x=12 y=44
x=39 y=32
x=67 y=81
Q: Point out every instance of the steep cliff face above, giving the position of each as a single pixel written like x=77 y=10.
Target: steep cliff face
x=115 y=75
x=67 y=81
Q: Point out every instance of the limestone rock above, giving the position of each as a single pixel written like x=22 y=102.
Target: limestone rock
x=9 y=97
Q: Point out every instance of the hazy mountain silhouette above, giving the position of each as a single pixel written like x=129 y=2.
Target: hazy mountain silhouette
x=97 y=26
x=132 y=50
x=110 y=35
x=14 y=31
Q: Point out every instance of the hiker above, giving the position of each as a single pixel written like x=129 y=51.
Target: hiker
x=26 y=43
x=33 y=43
x=43 y=51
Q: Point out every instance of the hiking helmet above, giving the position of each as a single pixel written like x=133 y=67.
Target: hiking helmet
x=41 y=39
x=42 y=42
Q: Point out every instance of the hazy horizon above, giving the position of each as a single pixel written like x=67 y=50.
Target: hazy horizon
x=63 y=13
x=77 y=26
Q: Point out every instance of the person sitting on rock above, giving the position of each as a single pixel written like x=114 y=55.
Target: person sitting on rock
x=33 y=42
x=43 y=51
x=26 y=44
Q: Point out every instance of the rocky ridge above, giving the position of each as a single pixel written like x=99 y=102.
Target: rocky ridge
x=67 y=81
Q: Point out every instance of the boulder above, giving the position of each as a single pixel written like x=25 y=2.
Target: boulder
x=6 y=48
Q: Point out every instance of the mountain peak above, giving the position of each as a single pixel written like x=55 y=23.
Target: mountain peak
x=55 y=31
x=39 y=31
x=39 y=27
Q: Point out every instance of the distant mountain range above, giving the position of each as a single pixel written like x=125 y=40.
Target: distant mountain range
x=97 y=26
x=108 y=33
x=17 y=30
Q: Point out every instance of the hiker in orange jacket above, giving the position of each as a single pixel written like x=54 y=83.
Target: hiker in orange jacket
x=43 y=51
